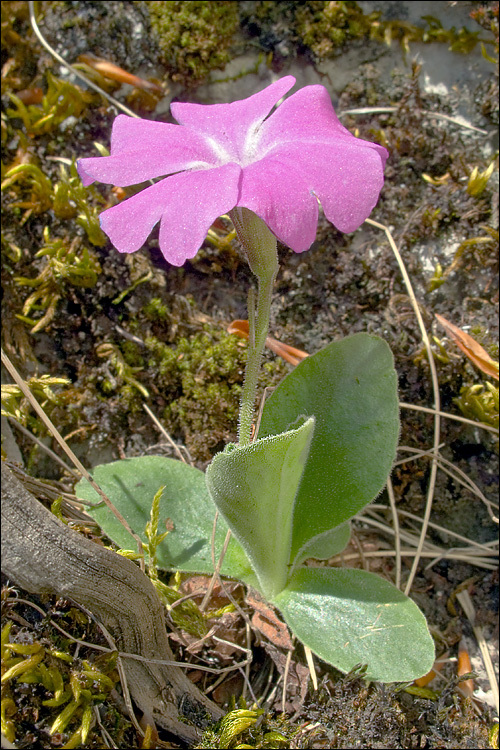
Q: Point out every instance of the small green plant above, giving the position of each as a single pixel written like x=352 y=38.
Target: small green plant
x=71 y=199
x=479 y=402
x=35 y=181
x=328 y=434
x=438 y=278
x=66 y=264
x=475 y=249
x=68 y=197
x=187 y=615
x=462 y=40
x=245 y=727
x=62 y=100
x=478 y=180
x=15 y=404
x=123 y=371
x=78 y=686
x=287 y=497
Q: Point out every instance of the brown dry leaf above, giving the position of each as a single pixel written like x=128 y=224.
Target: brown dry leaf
x=464 y=666
x=474 y=351
x=197 y=586
x=112 y=71
x=266 y=621
x=297 y=681
x=437 y=667
x=232 y=687
x=289 y=353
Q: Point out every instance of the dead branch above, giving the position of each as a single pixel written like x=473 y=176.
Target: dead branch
x=43 y=556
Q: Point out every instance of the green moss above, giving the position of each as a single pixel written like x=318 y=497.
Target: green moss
x=194 y=36
x=70 y=687
x=249 y=728
x=201 y=379
x=64 y=265
x=156 y=310
x=480 y=403
x=325 y=26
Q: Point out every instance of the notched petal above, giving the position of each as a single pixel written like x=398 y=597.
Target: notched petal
x=187 y=205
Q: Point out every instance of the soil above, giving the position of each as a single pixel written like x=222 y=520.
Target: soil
x=342 y=285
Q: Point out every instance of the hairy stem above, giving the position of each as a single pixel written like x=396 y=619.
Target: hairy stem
x=260 y=247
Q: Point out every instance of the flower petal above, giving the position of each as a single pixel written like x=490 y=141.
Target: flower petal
x=187 y=204
x=142 y=149
x=346 y=177
x=275 y=190
x=307 y=115
x=231 y=127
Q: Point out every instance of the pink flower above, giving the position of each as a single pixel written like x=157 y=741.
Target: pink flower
x=225 y=155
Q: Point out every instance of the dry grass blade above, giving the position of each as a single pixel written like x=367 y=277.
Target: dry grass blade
x=435 y=388
x=164 y=433
x=458 y=418
x=136 y=657
x=461 y=478
x=474 y=553
x=285 y=680
x=468 y=607
x=121 y=671
x=75 y=72
x=389 y=110
x=455 y=473
x=217 y=565
x=417 y=453
x=43 y=447
x=310 y=664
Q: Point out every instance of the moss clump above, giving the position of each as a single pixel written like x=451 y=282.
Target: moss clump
x=201 y=377
x=194 y=36
x=479 y=402
x=65 y=689
x=65 y=265
x=251 y=728
x=324 y=26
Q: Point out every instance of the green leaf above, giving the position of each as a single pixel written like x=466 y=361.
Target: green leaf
x=325 y=545
x=131 y=485
x=350 y=387
x=350 y=617
x=254 y=487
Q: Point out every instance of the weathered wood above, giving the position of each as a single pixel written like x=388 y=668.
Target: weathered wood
x=43 y=555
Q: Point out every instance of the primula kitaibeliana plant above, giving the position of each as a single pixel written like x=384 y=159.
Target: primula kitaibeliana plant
x=328 y=433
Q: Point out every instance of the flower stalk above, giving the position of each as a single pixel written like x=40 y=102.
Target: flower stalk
x=260 y=248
